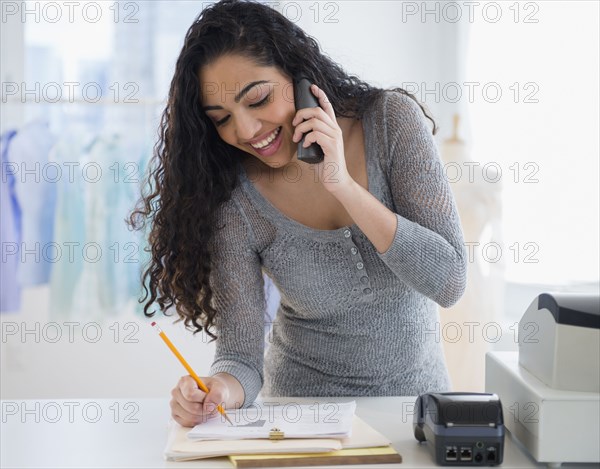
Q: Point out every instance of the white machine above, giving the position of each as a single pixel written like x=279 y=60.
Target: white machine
x=550 y=388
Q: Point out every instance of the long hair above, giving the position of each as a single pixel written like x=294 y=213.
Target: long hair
x=192 y=171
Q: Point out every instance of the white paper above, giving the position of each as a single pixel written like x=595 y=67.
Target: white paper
x=325 y=420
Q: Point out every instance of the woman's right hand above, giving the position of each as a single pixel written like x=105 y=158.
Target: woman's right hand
x=191 y=406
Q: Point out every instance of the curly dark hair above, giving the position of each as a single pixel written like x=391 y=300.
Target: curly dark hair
x=193 y=171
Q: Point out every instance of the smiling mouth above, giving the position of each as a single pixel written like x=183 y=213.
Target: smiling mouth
x=266 y=141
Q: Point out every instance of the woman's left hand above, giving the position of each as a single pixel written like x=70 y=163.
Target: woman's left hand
x=320 y=125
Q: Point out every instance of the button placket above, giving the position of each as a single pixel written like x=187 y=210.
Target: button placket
x=362 y=287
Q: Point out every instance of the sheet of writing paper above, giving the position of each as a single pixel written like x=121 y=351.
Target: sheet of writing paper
x=326 y=420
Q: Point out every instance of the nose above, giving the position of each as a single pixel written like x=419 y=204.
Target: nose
x=247 y=126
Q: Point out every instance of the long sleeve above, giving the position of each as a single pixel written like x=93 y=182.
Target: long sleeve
x=427 y=251
x=238 y=296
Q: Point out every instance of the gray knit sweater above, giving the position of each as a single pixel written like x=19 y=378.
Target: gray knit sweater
x=352 y=322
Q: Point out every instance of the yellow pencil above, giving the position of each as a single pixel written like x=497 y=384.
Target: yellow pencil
x=189 y=369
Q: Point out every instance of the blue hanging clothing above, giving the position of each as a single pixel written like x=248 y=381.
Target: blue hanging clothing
x=107 y=281
x=10 y=231
x=104 y=276
x=141 y=237
x=35 y=188
x=69 y=228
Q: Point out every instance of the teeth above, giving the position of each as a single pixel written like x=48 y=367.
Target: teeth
x=266 y=141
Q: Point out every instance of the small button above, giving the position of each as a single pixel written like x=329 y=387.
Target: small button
x=353 y=250
x=359 y=266
x=347 y=233
x=364 y=279
x=367 y=290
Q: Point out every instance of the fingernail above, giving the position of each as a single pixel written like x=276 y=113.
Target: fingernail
x=210 y=407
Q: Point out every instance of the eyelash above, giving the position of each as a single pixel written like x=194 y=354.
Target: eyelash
x=255 y=105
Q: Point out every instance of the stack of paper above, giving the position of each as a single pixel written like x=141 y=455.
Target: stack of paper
x=312 y=443
x=331 y=420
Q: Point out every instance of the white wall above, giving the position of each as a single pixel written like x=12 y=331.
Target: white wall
x=387 y=45
x=11 y=67
x=122 y=357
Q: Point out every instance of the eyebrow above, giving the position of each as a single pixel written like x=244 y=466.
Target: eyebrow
x=238 y=96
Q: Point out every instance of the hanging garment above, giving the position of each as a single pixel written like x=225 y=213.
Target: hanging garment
x=110 y=278
x=69 y=227
x=136 y=181
x=35 y=188
x=10 y=231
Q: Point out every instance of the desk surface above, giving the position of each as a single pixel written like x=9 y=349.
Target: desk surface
x=132 y=433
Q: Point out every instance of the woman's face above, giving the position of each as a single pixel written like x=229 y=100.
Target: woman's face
x=251 y=107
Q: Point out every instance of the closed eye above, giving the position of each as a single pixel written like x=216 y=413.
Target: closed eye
x=260 y=103
x=222 y=121
x=255 y=105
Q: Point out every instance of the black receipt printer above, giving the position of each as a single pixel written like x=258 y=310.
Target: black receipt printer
x=461 y=429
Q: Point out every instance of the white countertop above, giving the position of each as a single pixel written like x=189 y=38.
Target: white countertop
x=132 y=433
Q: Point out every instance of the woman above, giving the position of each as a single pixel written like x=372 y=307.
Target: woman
x=361 y=246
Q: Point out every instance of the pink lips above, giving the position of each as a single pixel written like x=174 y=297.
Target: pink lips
x=272 y=147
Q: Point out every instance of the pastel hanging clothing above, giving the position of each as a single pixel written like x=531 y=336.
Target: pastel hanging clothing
x=10 y=231
x=35 y=189
x=69 y=227
x=110 y=278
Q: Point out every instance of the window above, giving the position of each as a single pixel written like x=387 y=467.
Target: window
x=542 y=133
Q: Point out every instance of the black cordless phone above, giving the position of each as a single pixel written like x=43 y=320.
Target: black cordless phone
x=304 y=98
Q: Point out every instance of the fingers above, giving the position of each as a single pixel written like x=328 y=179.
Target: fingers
x=314 y=125
x=308 y=113
x=189 y=389
x=191 y=406
x=185 y=417
x=323 y=101
x=323 y=111
x=187 y=401
x=324 y=141
x=218 y=395
x=320 y=119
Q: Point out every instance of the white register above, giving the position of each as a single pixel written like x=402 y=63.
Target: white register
x=550 y=389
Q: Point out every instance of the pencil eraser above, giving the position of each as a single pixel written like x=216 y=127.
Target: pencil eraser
x=153 y=323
